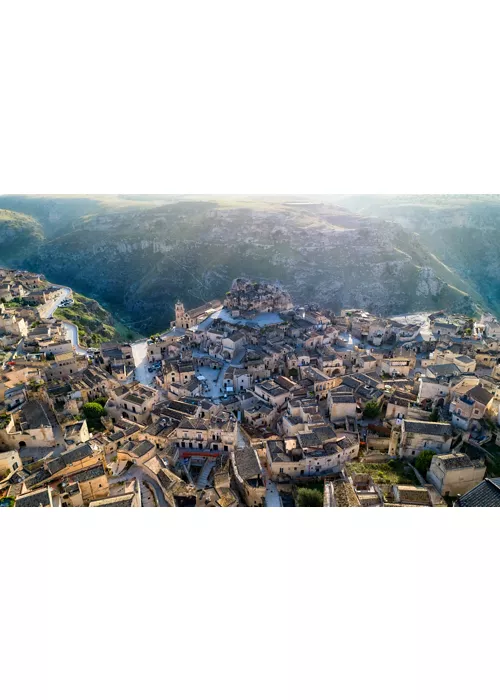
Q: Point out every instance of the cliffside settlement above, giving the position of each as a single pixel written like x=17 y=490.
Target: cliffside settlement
x=248 y=402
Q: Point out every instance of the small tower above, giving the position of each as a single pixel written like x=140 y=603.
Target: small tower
x=394 y=441
x=180 y=314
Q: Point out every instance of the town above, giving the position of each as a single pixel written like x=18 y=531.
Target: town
x=247 y=401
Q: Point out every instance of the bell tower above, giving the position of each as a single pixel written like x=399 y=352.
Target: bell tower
x=180 y=313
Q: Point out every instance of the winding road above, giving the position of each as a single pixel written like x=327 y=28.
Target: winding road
x=71 y=329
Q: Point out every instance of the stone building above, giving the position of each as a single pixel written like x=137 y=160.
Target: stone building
x=416 y=436
x=455 y=474
x=189 y=319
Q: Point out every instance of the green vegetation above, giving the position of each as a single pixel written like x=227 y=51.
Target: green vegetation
x=372 y=410
x=423 y=461
x=7 y=502
x=434 y=417
x=93 y=413
x=309 y=498
x=492 y=460
x=102 y=400
x=138 y=254
x=389 y=473
x=95 y=325
x=18 y=234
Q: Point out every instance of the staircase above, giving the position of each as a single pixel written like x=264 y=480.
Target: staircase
x=205 y=474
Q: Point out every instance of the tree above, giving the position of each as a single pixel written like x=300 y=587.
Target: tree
x=93 y=412
x=423 y=461
x=434 y=417
x=309 y=498
x=372 y=410
x=7 y=502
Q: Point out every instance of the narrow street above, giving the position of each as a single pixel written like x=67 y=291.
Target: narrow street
x=146 y=479
x=140 y=352
x=273 y=499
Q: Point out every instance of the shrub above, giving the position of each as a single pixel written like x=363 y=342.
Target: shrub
x=434 y=417
x=309 y=498
x=372 y=410
x=93 y=412
x=423 y=461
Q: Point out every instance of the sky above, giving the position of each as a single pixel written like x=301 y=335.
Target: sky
x=257 y=97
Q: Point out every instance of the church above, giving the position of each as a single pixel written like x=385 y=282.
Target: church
x=190 y=319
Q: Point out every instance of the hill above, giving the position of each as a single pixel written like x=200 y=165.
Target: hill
x=19 y=234
x=461 y=230
x=56 y=212
x=95 y=324
x=139 y=259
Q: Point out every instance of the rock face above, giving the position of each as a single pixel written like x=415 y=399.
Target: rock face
x=18 y=233
x=140 y=262
x=461 y=230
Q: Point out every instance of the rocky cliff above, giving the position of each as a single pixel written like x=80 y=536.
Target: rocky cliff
x=461 y=230
x=139 y=262
x=18 y=234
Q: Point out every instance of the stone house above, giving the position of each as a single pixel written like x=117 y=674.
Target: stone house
x=466 y=364
x=76 y=433
x=237 y=380
x=446 y=371
x=9 y=462
x=455 y=474
x=130 y=498
x=249 y=476
x=136 y=452
x=259 y=414
x=32 y=426
x=64 y=366
x=177 y=372
x=317 y=452
x=301 y=415
x=367 y=363
x=378 y=331
x=329 y=362
x=42 y=498
x=134 y=403
x=321 y=382
x=469 y=406
x=487 y=358
x=432 y=390
x=233 y=344
x=75 y=460
x=416 y=436
x=274 y=393
x=93 y=383
x=397 y=366
x=341 y=405
x=86 y=486
x=206 y=434
x=12 y=324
